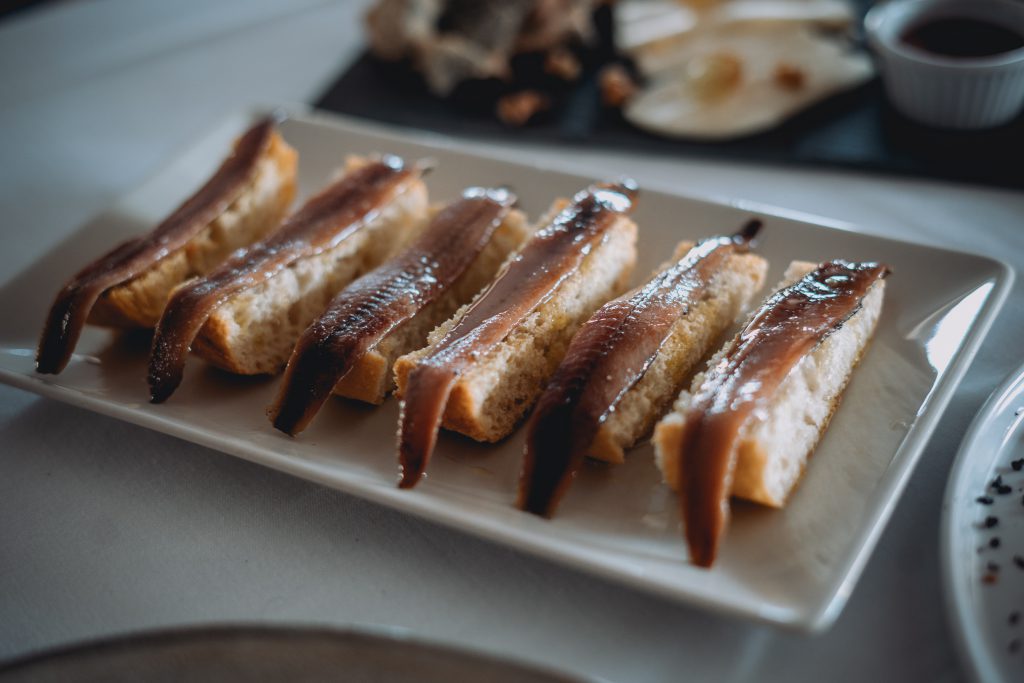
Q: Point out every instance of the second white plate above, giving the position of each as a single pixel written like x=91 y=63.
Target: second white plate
x=983 y=538
x=794 y=567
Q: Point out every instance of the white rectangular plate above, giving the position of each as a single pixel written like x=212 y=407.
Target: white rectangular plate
x=794 y=567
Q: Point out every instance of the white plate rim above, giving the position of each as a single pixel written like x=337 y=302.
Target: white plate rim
x=904 y=459
x=970 y=642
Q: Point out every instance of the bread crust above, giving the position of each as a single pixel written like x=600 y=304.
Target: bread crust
x=368 y=379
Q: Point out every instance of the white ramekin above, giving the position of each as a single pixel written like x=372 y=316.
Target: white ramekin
x=948 y=92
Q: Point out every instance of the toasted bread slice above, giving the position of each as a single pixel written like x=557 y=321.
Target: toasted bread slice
x=490 y=398
x=254 y=213
x=372 y=376
x=129 y=285
x=255 y=331
x=628 y=361
x=778 y=442
x=246 y=314
x=690 y=341
x=751 y=421
x=393 y=307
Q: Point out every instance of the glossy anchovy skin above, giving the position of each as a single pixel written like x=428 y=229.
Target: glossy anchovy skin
x=371 y=307
x=786 y=327
x=321 y=224
x=71 y=309
x=606 y=358
x=553 y=254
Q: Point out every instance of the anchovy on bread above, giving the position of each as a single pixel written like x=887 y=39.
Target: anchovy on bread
x=483 y=369
x=246 y=315
x=629 y=360
x=750 y=422
x=128 y=287
x=352 y=346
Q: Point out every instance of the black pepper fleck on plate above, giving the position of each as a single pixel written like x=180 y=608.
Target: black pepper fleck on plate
x=997 y=482
x=991 y=521
x=1017 y=464
x=1019 y=561
x=984 y=500
x=1003 y=489
x=994 y=542
x=993 y=567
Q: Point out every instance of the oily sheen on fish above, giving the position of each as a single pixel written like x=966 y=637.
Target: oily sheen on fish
x=371 y=307
x=70 y=310
x=606 y=358
x=553 y=254
x=326 y=220
x=786 y=327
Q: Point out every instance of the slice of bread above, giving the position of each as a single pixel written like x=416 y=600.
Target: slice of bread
x=690 y=341
x=256 y=212
x=371 y=377
x=254 y=332
x=776 y=443
x=489 y=399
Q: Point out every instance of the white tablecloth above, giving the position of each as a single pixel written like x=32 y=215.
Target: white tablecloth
x=105 y=527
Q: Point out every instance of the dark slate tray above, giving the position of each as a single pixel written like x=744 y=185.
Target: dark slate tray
x=855 y=130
